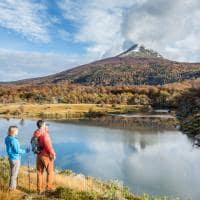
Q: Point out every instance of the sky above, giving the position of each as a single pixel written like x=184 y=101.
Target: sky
x=42 y=37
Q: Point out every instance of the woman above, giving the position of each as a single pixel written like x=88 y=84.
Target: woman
x=14 y=155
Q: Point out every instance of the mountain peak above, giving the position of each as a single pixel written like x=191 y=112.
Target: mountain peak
x=140 y=51
x=125 y=69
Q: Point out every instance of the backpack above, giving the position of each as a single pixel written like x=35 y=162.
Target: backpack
x=36 y=147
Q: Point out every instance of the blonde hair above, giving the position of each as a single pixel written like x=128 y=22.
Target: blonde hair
x=12 y=129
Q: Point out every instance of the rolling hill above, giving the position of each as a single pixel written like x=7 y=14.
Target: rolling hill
x=136 y=66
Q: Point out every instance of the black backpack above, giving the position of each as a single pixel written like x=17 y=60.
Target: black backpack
x=36 y=148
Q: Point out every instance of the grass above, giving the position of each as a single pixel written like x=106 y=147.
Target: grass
x=69 y=186
x=64 y=111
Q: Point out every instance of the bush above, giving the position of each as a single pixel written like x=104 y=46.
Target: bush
x=16 y=112
x=67 y=172
x=4 y=169
x=5 y=112
x=70 y=194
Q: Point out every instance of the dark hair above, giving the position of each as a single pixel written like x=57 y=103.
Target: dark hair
x=40 y=123
x=11 y=129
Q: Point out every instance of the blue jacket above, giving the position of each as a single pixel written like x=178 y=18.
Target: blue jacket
x=13 y=148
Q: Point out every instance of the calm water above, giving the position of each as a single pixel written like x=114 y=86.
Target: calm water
x=151 y=161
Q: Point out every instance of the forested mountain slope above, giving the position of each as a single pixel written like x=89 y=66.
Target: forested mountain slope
x=136 y=66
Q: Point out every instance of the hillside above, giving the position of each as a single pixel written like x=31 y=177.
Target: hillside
x=68 y=186
x=189 y=110
x=136 y=66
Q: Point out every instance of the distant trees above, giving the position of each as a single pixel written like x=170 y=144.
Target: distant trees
x=140 y=99
x=166 y=95
x=189 y=110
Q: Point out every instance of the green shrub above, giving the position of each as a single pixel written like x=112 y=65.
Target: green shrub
x=4 y=169
x=66 y=172
x=72 y=194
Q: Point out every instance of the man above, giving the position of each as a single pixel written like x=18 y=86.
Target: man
x=45 y=157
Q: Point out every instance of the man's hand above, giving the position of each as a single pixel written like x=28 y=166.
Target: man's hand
x=53 y=157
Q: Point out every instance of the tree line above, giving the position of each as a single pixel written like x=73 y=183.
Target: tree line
x=160 y=96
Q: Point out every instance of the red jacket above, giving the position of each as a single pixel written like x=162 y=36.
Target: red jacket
x=45 y=142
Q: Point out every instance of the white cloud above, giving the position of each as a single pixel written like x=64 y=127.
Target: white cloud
x=107 y=27
x=15 y=65
x=25 y=17
x=98 y=22
x=171 y=27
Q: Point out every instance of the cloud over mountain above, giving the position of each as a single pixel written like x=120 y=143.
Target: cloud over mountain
x=170 y=27
x=91 y=29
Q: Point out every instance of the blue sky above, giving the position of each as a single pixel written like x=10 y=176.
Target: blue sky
x=40 y=37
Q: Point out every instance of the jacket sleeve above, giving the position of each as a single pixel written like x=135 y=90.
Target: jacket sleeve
x=16 y=147
x=48 y=145
x=9 y=151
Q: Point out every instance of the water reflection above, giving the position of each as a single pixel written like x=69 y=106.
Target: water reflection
x=147 y=161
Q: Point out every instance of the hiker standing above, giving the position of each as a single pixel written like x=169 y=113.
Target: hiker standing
x=14 y=155
x=42 y=146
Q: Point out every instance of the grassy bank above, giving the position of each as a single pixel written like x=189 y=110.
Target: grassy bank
x=69 y=186
x=65 y=111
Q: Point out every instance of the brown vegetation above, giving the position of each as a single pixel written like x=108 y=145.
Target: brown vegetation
x=161 y=96
x=125 y=70
x=189 y=110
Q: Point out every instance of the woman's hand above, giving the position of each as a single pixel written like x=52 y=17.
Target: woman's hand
x=27 y=150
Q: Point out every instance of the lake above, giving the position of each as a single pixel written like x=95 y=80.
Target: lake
x=158 y=161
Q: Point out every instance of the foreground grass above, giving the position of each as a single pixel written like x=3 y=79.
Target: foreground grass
x=64 y=111
x=69 y=186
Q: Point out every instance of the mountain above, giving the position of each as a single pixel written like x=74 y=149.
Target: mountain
x=135 y=66
x=140 y=51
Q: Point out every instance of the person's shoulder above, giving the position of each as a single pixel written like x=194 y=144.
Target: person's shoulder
x=10 y=139
x=6 y=138
x=36 y=130
x=36 y=133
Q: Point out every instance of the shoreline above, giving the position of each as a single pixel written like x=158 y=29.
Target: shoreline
x=120 y=117
x=77 y=111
